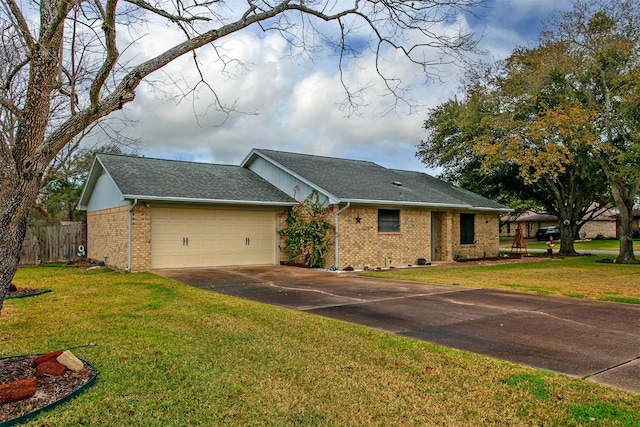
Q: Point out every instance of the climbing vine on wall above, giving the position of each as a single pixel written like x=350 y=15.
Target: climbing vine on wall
x=307 y=234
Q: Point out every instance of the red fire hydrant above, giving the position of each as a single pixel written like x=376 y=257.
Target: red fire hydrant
x=550 y=245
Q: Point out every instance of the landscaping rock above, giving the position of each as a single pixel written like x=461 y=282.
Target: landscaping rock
x=70 y=361
x=49 y=357
x=17 y=390
x=52 y=369
x=12 y=287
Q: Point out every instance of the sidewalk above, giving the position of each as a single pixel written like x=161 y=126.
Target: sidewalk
x=506 y=247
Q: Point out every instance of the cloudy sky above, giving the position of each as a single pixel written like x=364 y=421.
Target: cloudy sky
x=292 y=104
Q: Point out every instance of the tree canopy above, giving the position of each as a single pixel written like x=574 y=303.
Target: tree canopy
x=603 y=40
x=563 y=113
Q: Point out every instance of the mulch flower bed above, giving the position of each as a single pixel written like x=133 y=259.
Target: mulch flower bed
x=50 y=390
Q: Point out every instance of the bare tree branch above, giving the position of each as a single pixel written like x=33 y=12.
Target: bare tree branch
x=109 y=28
x=21 y=24
x=171 y=17
x=10 y=106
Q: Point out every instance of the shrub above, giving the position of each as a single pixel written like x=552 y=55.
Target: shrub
x=307 y=235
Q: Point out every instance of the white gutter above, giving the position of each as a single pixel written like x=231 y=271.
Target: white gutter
x=217 y=201
x=337 y=245
x=494 y=209
x=426 y=205
x=404 y=203
x=135 y=202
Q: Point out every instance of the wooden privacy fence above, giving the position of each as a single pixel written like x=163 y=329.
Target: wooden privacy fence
x=53 y=243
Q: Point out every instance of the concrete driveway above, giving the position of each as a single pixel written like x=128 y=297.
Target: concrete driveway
x=596 y=340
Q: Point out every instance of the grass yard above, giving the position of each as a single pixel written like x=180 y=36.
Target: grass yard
x=578 y=277
x=173 y=355
x=582 y=246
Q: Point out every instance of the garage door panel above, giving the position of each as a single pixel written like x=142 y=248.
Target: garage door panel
x=206 y=237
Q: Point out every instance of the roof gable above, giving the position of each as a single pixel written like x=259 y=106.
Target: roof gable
x=171 y=180
x=368 y=182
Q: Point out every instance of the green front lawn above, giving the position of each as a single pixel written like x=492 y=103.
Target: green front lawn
x=581 y=246
x=580 y=277
x=586 y=246
x=173 y=355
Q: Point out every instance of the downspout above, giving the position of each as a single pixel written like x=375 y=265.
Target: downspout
x=133 y=206
x=337 y=245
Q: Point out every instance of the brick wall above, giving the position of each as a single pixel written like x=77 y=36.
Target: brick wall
x=361 y=245
x=108 y=236
x=486 y=237
x=282 y=223
x=592 y=229
x=443 y=228
x=141 y=238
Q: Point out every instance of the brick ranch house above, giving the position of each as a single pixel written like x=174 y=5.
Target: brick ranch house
x=604 y=224
x=145 y=214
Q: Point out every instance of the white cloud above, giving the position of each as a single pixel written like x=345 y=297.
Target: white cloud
x=297 y=101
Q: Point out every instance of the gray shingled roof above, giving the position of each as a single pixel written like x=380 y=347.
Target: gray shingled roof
x=143 y=177
x=356 y=180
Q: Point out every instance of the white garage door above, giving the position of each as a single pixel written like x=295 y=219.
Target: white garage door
x=212 y=237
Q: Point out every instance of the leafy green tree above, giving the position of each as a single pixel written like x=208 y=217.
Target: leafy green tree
x=60 y=198
x=517 y=130
x=569 y=103
x=602 y=41
x=452 y=127
x=547 y=133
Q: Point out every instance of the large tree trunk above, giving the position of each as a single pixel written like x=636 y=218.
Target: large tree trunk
x=23 y=163
x=16 y=199
x=567 y=237
x=625 y=230
x=624 y=195
x=11 y=239
x=569 y=204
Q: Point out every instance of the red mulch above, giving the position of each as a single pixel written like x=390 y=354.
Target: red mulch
x=49 y=389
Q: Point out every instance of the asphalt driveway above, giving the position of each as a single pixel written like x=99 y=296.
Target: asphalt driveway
x=596 y=340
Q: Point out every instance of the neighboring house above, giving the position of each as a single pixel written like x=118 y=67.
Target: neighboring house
x=603 y=225
x=529 y=222
x=145 y=214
